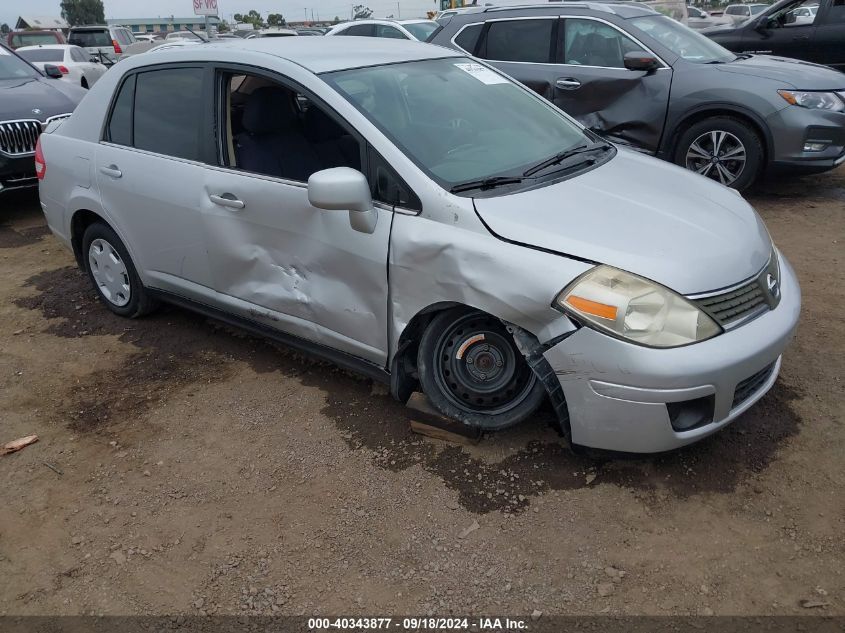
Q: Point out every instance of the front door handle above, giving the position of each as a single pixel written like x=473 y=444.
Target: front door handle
x=111 y=171
x=227 y=200
x=568 y=83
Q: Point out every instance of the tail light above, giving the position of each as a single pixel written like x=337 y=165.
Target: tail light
x=64 y=70
x=117 y=49
x=40 y=165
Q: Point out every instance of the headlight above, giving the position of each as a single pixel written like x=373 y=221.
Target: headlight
x=817 y=100
x=635 y=308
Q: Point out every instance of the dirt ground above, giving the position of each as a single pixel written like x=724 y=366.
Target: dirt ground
x=201 y=470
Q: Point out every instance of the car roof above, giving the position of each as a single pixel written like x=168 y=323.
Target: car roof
x=318 y=55
x=622 y=8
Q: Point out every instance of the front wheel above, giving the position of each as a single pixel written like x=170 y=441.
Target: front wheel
x=472 y=371
x=724 y=149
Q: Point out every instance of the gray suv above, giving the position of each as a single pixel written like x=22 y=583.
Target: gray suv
x=640 y=78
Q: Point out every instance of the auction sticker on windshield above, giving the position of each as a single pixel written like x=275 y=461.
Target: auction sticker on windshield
x=482 y=73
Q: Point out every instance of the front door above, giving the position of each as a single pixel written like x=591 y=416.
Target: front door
x=593 y=85
x=788 y=32
x=275 y=258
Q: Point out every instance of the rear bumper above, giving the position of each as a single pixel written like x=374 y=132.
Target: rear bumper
x=17 y=172
x=617 y=392
x=793 y=126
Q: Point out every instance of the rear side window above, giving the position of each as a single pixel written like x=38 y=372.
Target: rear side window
x=519 y=41
x=468 y=38
x=363 y=30
x=120 y=123
x=383 y=30
x=168 y=104
x=160 y=111
x=90 y=39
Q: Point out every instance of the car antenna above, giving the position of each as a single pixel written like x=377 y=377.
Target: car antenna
x=201 y=39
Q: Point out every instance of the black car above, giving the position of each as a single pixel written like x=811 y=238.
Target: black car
x=28 y=102
x=812 y=30
x=642 y=79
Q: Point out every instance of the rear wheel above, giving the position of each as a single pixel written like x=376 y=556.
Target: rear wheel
x=724 y=149
x=113 y=274
x=472 y=371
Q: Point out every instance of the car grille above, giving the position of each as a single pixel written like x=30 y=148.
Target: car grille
x=751 y=385
x=18 y=138
x=739 y=304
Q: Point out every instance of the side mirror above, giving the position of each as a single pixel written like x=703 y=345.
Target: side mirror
x=52 y=71
x=95 y=60
x=344 y=189
x=641 y=61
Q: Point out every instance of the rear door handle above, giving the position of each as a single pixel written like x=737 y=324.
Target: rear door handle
x=568 y=83
x=111 y=171
x=227 y=200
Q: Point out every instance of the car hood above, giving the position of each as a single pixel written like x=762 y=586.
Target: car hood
x=19 y=97
x=642 y=215
x=790 y=72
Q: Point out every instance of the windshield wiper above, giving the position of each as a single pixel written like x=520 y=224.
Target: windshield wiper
x=562 y=156
x=486 y=183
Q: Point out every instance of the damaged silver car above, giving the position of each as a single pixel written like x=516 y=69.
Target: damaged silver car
x=411 y=213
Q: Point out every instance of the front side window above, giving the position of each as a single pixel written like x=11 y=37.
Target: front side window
x=13 y=67
x=518 y=41
x=592 y=43
x=681 y=40
x=799 y=13
x=274 y=131
x=495 y=128
x=422 y=30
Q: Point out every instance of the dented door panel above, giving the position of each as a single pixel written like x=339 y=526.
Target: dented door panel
x=297 y=268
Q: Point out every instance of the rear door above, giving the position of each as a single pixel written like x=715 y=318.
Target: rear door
x=150 y=174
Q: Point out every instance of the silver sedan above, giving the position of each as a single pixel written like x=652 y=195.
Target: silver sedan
x=414 y=214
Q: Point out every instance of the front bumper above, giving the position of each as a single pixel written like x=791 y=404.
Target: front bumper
x=793 y=126
x=616 y=392
x=17 y=172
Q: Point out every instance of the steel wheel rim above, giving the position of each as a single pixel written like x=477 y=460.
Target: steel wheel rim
x=718 y=155
x=109 y=272
x=477 y=367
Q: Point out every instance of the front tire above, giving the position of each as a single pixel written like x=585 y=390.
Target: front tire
x=472 y=371
x=113 y=274
x=724 y=149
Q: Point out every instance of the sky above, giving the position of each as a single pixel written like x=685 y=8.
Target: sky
x=291 y=9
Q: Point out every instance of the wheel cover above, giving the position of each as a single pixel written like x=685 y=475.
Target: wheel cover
x=109 y=272
x=479 y=368
x=717 y=154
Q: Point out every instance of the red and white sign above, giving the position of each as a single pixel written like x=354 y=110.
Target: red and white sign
x=205 y=7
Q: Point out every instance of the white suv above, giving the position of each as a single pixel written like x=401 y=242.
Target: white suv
x=106 y=42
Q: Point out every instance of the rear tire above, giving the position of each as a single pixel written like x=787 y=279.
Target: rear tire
x=113 y=274
x=472 y=371
x=724 y=149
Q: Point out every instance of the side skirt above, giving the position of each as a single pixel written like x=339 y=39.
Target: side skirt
x=341 y=359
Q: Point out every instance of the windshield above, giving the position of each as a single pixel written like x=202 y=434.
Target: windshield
x=422 y=30
x=456 y=119
x=12 y=67
x=90 y=39
x=33 y=39
x=683 y=41
x=43 y=54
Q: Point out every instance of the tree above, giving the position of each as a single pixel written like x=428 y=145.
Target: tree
x=253 y=17
x=360 y=12
x=78 y=12
x=276 y=19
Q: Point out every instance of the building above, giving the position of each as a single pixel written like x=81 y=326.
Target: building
x=163 y=24
x=41 y=23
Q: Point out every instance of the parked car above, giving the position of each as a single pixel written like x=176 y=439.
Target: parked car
x=175 y=36
x=148 y=37
x=739 y=13
x=75 y=63
x=397 y=29
x=528 y=258
x=274 y=32
x=28 y=102
x=699 y=19
x=16 y=39
x=641 y=78
x=105 y=42
x=785 y=30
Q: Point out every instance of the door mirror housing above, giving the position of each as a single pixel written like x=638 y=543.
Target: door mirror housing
x=344 y=189
x=52 y=71
x=641 y=61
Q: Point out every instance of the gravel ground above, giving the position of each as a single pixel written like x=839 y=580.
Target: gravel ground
x=198 y=470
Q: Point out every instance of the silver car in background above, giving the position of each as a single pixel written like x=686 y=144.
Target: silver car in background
x=339 y=199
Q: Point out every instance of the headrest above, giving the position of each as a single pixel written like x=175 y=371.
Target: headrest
x=320 y=127
x=269 y=109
